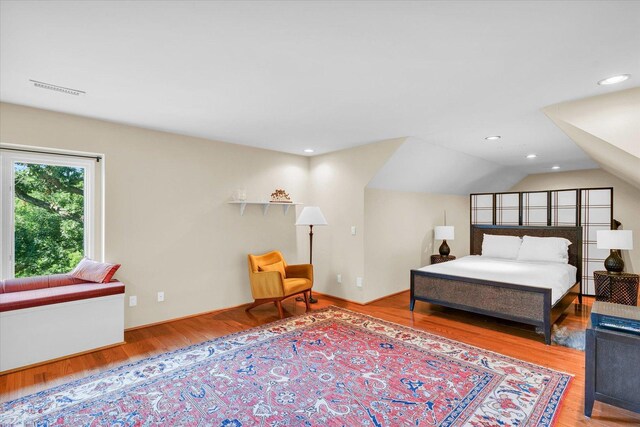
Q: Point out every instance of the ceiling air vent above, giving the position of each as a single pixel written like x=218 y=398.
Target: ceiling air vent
x=56 y=88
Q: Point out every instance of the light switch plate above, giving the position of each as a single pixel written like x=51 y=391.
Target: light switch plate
x=133 y=301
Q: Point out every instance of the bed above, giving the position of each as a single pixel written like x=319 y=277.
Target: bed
x=540 y=305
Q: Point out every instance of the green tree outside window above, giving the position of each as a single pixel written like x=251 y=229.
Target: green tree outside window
x=49 y=218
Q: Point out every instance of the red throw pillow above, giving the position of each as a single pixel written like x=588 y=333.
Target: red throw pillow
x=94 y=271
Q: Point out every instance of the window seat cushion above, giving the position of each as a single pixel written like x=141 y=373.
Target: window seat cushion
x=21 y=284
x=54 y=295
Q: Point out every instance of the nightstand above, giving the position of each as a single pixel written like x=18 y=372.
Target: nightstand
x=437 y=259
x=618 y=288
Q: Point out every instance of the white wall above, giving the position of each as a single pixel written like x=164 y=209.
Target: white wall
x=394 y=230
x=399 y=235
x=166 y=220
x=337 y=186
x=626 y=200
x=168 y=223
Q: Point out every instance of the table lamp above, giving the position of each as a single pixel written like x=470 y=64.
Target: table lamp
x=444 y=232
x=614 y=240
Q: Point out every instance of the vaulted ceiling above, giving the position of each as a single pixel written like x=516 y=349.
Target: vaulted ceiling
x=607 y=128
x=330 y=75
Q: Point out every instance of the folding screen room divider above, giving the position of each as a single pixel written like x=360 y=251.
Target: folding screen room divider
x=591 y=208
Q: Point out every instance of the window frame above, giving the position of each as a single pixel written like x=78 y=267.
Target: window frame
x=7 y=212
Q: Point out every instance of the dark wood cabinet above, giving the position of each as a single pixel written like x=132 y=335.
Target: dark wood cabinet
x=437 y=259
x=612 y=357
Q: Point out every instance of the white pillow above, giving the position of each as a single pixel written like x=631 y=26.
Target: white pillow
x=501 y=246
x=551 y=249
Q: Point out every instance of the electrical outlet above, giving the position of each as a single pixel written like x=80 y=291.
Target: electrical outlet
x=339 y=278
x=359 y=282
x=133 y=301
x=353 y=230
x=160 y=296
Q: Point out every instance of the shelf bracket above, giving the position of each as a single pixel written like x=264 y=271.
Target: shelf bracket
x=265 y=206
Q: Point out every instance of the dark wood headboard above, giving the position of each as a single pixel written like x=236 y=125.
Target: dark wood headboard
x=573 y=234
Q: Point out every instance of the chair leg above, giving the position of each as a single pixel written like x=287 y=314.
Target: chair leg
x=278 y=304
x=306 y=299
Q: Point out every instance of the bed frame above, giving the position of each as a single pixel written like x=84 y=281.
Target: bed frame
x=525 y=304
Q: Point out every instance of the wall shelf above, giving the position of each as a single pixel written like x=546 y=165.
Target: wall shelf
x=265 y=205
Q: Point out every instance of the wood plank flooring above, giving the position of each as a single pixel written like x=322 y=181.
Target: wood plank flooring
x=512 y=339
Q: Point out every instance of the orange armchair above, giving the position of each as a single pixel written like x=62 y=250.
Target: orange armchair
x=272 y=280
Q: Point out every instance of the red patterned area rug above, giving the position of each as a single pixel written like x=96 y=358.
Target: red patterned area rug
x=328 y=367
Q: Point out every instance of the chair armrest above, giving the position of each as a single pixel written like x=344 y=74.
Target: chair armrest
x=302 y=271
x=266 y=284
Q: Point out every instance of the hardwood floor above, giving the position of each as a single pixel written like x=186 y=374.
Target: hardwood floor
x=515 y=340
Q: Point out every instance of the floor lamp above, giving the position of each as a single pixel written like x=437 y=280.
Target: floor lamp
x=311 y=215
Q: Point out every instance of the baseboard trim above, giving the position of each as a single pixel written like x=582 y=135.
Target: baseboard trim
x=189 y=316
x=57 y=359
x=338 y=298
x=360 y=303
x=387 y=296
x=221 y=310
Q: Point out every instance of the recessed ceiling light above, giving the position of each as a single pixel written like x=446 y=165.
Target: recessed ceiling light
x=555 y=167
x=309 y=150
x=614 y=79
x=531 y=156
x=492 y=138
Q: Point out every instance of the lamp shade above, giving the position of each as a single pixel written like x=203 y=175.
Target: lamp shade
x=444 y=232
x=311 y=215
x=615 y=239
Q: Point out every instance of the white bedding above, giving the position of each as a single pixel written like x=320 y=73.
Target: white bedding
x=556 y=276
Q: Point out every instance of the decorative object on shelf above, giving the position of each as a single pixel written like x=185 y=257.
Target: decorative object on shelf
x=615 y=240
x=311 y=215
x=239 y=195
x=618 y=288
x=280 y=196
x=437 y=259
x=444 y=233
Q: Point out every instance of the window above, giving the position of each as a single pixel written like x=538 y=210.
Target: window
x=47 y=213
